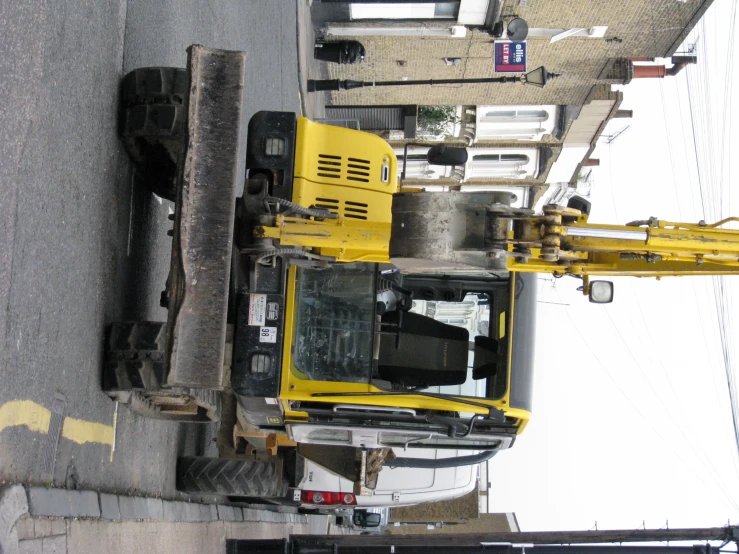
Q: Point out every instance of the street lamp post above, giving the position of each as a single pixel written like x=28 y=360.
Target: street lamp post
x=537 y=77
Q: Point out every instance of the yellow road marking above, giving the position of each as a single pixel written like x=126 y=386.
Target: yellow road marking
x=80 y=431
x=24 y=412
x=37 y=418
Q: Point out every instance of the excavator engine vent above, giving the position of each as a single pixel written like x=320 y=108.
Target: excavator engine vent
x=334 y=167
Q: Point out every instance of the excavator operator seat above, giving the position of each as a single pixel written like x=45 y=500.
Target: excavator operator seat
x=488 y=357
x=417 y=351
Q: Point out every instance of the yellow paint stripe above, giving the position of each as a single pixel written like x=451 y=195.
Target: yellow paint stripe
x=37 y=418
x=24 y=412
x=80 y=431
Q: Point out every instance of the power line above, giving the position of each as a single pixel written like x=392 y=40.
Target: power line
x=670 y=384
x=733 y=503
x=712 y=189
x=659 y=398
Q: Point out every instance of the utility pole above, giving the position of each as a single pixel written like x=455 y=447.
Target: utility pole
x=490 y=543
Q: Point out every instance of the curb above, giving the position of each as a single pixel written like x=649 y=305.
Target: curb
x=43 y=502
x=17 y=501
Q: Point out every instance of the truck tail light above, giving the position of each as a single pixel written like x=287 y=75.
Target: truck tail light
x=328 y=498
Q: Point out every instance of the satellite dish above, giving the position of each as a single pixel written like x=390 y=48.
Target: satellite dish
x=517 y=30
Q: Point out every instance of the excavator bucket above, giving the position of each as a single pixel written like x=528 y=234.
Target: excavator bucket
x=198 y=285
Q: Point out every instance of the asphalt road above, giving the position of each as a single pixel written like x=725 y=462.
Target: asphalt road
x=80 y=246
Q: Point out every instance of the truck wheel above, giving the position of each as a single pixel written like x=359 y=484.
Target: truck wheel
x=134 y=374
x=200 y=475
x=153 y=125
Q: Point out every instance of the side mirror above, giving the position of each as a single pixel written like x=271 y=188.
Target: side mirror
x=441 y=154
x=579 y=203
x=600 y=292
x=364 y=520
x=373 y=520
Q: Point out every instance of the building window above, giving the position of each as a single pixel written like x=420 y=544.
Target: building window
x=501 y=158
x=519 y=116
x=448 y=10
x=485 y=163
x=514 y=122
x=409 y=10
x=500 y=166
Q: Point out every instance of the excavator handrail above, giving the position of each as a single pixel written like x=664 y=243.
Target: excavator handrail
x=720 y=223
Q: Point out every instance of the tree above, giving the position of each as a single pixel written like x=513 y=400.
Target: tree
x=437 y=122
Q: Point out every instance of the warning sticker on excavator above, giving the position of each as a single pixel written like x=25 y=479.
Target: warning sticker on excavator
x=257 y=309
x=273 y=310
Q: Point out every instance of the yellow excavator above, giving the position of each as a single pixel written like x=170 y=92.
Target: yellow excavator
x=344 y=319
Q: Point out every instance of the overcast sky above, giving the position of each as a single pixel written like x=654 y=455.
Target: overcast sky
x=631 y=419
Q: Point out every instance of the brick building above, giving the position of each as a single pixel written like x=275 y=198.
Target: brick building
x=593 y=44
x=633 y=29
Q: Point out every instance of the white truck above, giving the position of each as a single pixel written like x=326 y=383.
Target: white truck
x=400 y=486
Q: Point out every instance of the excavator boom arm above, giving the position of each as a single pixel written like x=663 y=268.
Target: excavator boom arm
x=562 y=242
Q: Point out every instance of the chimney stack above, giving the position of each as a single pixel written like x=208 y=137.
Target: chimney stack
x=649 y=71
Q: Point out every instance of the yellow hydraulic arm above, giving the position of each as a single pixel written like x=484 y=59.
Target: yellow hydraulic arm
x=562 y=242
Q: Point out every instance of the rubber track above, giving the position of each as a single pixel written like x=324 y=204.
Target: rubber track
x=162 y=85
x=134 y=362
x=208 y=401
x=200 y=475
x=134 y=358
x=152 y=125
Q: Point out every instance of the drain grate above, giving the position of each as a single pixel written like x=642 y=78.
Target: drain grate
x=48 y=455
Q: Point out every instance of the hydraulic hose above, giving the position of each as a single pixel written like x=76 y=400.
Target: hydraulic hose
x=442 y=462
x=293 y=207
x=289 y=251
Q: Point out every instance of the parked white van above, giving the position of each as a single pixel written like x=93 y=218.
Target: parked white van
x=400 y=486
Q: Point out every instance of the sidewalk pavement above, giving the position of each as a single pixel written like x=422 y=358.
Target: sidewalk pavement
x=37 y=520
x=313 y=104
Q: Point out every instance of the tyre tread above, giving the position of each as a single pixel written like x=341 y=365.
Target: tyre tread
x=197 y=474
